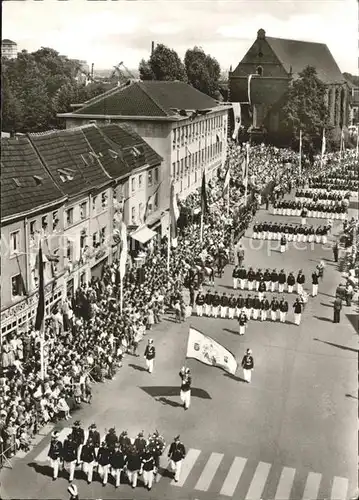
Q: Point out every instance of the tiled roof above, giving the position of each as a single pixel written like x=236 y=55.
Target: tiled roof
x=66 y=155
x=296 y=55
x=20 y=190
x=149 y=98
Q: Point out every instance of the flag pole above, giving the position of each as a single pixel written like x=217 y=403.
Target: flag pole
x=228 y=194
x=246 y=178
x=300 y=152
x=323 y=150
x=42 y=354
x=169 y=244
x=121 y=294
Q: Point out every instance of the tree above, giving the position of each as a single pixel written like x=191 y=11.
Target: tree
x=12 y=110
x=164 y=64
x=203 y=71
x=305 y=109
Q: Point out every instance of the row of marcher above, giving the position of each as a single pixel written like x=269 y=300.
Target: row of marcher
x=269 y=230
x=321 y=194
x=317 y=210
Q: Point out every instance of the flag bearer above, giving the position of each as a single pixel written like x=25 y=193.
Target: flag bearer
x=55 y=453
x=185 y=393
x=149 y=355
x=176 y=454
x=247 y=365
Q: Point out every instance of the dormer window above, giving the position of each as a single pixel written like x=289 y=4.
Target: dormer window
x=259 y=70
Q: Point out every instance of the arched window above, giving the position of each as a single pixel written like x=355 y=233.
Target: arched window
x=259 y=70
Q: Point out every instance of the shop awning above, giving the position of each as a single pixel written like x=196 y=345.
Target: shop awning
x=143 y=234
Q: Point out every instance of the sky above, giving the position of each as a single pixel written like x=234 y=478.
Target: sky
x=105 y=32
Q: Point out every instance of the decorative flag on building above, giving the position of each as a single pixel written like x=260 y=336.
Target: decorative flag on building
x=208 y=351
x=151 y=203
x=342 y=145
x=124 y=250
x=174 y=215
x=204 y=203
x=40 y=313
x=323 y=143
x=226 y=181
x=237 y=112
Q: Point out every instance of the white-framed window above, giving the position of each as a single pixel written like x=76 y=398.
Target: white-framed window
x=44 y=222
x=17 y=286
x=83 y=278
x=69 y=216
x=133 y=184
x=83 y=210
x=14 y=242
x=83 y=237
x=150 y=177
x=140 y=181
x=94 y=204
x=55 y=220
x=95 y=240
x=133 y=215
x=70 y=250
x=33 y=224
x=104 y=200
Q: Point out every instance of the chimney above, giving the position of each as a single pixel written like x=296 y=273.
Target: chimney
x=152 y=47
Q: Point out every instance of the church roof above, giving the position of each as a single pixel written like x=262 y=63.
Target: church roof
x=149 y=99
x=295 y=55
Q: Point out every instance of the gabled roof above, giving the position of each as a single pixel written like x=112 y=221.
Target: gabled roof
x=149 y=98
x=25 y=183
x=66 y=155
x=8 y=42
x=295 y=55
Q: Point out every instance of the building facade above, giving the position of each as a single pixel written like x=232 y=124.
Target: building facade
x=69 y=193
x=260 y=81
x=187 y=128
x=8 y=49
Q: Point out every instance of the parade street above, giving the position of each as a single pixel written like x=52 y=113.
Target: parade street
x=288 y=434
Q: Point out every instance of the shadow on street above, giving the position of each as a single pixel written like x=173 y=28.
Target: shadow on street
x=156 y=391
x=338 y=346
x=137 y=367
x=322 y=318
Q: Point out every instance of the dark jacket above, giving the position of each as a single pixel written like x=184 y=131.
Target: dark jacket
x=55 y=450
x=283 y=306
x=148 y=461
x=117 y=459
x=150 y=352
x=104 y=455
x=69 y=451
x=315 y=279
x=291 y=280
x=133 y=462
x=216 y=300
x=88 y=453
x=297 y=307
x=301 y=279
x=247 y=362
x=177 y=452
x=224 y=301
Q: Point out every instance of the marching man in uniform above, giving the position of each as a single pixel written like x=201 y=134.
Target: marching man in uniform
x=69 y=455
x=88 y=457
x=150 y=353
x=79 y=438
x=103 y=460
x=185 y=393
x=118 y=461
x=147 y=467
x=55 y=453
x=94 y=435
x=176 y=454
x=199 y=303
x=247 y=365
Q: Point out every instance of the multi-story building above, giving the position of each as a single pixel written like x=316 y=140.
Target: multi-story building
x=186 y=127
x=261 y=79
x=68 y=189
x=8 y=49
x=31 y=209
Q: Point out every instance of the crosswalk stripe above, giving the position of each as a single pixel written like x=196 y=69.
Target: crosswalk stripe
x=285 y=483
x=312 y=486
x=42 y=456
x=258 y=481
x=187 y=465
x=339 y=488
x=233 y=476
x=163 y=464
x=209 y=471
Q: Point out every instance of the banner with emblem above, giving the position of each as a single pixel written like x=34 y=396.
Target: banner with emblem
x=209 y=351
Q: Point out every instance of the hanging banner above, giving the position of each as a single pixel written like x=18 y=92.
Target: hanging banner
x=237 y=112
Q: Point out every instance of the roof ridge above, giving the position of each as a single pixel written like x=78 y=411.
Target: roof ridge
x=294 y=40
x=152 y=99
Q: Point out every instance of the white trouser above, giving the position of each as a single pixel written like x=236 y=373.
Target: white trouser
x=148 y=478
x=280 y=287
x=273 y=315
x=290 y=288
x=282 y=316
x=255 y=236
x=132 y=477
x=250 y=285
x=238 y=311
x=273 y=287
x=317 y=238
x=300 y=236
x=263 y=315
x=199 y=310
x=255 y=313
x=295 y=237
x=215 y=311
x=242 y=329
x=149 y=364
x=235 y=283
x=260 y=295
x=231 y=312
x=79 y=449
x=207 y=310
x=55 y=466
x=88 y=469
x=305 y=238
x=186 y=398
x=247 y=374
x=314 y=290
x=282 y=248
x=242 y=283
x=248 y=312
x=297 y=318
x=223 y=311
x=176 y=467
x=103 y=471
x=304 y=221
x=299 y=288
x=71 y=466
x=117 y=474
x=324 y=238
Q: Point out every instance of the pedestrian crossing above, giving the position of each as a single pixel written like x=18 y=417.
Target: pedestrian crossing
x=241 y=477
